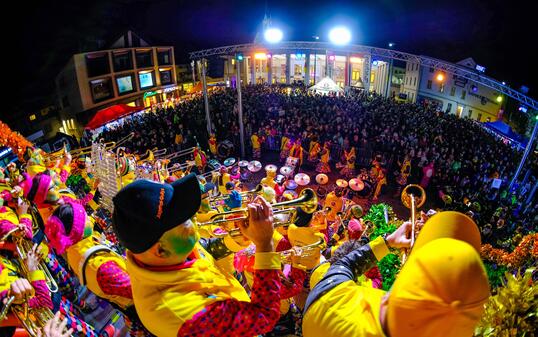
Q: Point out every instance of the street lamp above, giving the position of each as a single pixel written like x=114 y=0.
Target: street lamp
x=340 y=35
x=440 y=77
x=391 y=44
x=273 y=35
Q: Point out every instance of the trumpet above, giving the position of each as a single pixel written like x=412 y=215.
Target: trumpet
x=181 y=167
x=254 y=191
x=307 y=201
x=32 y=319
x=413 y=197
x=23 y=246
x=303 y=251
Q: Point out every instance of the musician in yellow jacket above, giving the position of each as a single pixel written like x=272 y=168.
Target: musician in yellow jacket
x=70 y=232
x=440 y=291
x=177 y=288
x=256 y=146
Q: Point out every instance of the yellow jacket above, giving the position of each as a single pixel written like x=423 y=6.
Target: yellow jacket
x=75 y=259
x=255 y=141
x=167 y=299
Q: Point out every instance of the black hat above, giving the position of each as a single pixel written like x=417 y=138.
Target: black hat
x=144 y=210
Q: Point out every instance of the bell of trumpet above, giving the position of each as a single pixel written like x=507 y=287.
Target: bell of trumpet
x=32 y=319
x=307 y=201
x=413 y=197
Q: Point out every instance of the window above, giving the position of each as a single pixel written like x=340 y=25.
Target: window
x=32 y=117
x=297 y=69
x=65 y=101
x=431 y=69
x=101 y=89
x=147 y=79
x=470 y=113
x=97 y=64
x=123 y=60
x=452 y=91
x=463 y=93
x=125 y=84
x=448 y=107
x=479 y=117
x=355 y=75
x=429 y=84
x=442 y=87
x=144 y=58
x=164 y=56
x=415 y=81
x=166 y=76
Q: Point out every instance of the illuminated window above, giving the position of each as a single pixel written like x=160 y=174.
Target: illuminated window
x=355 y=75
x=32 y=117
x=297 y=69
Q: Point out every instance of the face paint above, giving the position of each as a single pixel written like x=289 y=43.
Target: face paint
x=182 y=239
x=52 y=194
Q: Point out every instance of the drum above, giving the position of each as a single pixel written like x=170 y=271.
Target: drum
x=341 y=183
x=302 y=179
x=286 y=171
x=356 y=184
x=280 y=179
x=242 y=163
x=322 y=179
x=290 y=194
x=290 y=185
x=254 y=166
x=271 y=168
x=366 y=191
x=225 y=149
x=229 y=161
x=321 y=192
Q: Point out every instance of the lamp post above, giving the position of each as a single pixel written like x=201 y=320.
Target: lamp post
x=206 y=101
x=240 y=106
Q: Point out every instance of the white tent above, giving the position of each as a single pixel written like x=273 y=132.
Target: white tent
x=326 y=86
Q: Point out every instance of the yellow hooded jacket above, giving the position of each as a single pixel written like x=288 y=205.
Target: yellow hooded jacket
x=167 y=299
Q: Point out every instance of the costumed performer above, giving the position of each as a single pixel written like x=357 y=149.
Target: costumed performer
x=177 y=289
x=296 y=151
x=213 y=145
x=348 y=170
x=323 y=165
x=440 y=291
x=269 y=179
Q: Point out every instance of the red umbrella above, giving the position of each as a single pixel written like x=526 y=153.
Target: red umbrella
x=111 y=113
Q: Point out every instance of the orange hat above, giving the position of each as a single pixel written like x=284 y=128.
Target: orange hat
x=442 y=288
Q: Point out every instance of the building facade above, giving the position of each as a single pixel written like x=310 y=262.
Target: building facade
x=131 y=72
x=307 y=63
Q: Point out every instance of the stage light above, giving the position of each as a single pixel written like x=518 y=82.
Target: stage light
x=340 y=35
x=391 y=44
x=440 y=77
x=260 y=56
x=273 y=35
x=239 y=57
x=504 y=83
x=499 y=99
x=332 y=57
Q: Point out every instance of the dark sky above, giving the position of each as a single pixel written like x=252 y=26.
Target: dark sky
x=497 y=34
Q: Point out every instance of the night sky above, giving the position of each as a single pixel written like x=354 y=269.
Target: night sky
x=498 y=35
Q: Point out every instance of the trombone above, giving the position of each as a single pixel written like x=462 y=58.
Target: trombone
x=32 y=319
x=413 y=197
x=303 y=251
x=179 y=154
x=307 y=201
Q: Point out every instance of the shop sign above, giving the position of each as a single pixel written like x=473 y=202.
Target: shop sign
x=149 y=94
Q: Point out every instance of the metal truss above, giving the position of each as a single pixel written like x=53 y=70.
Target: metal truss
x=305 y=47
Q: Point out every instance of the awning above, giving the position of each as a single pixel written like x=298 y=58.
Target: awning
x=325 y=86
x=506 y=131
x=111 y=114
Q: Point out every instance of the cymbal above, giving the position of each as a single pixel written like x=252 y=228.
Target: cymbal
x=270 y=167
x=279 y=178
x=290 y=185
x=356 y=184
x=322 y=179
x=254 y=166
x=286 y=170
x=229 y=161
x=302 y=179
x=341 y=183
x=243 y=163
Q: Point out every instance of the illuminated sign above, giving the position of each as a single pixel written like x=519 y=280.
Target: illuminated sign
x=150 y=93
x=480 y=68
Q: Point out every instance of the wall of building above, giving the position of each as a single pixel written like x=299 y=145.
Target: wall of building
x=460 y=97
x=411 y=81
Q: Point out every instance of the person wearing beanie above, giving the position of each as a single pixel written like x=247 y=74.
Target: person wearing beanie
x=177 y=288
x=70 y=232
x=224 y=178
x=234 y=199
x=269 y=179
x=440 y=290
x=43 y=190
x=333 y=204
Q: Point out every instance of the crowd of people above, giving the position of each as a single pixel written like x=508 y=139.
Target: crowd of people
x=455 y=159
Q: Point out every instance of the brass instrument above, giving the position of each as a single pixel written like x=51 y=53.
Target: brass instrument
x=413 y=197
x=303 y=251
x=32 y=319
x=179 y=154
x=307 y=201
x=253 y=192
x=181 y=167
x=23 y=247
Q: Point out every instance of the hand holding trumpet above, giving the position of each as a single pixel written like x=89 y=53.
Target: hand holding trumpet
x=259 y=228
